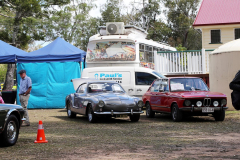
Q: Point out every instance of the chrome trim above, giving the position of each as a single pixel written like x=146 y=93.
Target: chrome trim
x=207 y=102
x=23 y=119
x=131 y=111
x=8 y=114
x=112 y=113
x=200 y=108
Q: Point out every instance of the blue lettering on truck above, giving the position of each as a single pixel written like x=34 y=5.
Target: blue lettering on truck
x=113 y=76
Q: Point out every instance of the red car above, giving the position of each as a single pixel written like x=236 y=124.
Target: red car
x=184 y=96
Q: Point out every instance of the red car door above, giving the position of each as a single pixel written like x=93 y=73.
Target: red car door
x=154 y=97
x=159 y=97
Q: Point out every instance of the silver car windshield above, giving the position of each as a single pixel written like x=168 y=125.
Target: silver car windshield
x=188 y=84
x=104 y=87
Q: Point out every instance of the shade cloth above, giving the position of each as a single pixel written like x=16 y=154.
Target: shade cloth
x=51 y=83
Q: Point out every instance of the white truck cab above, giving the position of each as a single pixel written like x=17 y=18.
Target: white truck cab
x=134 y=80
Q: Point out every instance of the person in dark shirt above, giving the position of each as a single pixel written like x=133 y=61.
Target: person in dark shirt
x=235 y=86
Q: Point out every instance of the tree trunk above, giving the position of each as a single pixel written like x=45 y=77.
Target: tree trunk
x=9 y=81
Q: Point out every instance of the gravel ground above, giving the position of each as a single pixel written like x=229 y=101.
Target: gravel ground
x=156 y=138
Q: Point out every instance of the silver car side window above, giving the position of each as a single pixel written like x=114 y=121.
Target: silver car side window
x=82 y=88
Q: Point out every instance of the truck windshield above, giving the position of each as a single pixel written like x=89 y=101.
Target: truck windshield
x=104 y=87
x=111 y=51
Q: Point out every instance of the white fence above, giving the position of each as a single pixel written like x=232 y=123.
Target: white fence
x=182 y=62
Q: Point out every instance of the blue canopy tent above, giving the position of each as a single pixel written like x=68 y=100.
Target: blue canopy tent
x=8 y=53
x=51 y=69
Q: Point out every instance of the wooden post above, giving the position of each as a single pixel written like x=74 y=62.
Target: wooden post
x=203 y=62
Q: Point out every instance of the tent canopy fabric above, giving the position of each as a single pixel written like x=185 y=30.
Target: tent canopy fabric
x=8 y=53
x=228 y=47
x=57 y=51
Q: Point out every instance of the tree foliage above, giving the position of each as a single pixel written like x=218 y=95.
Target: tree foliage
x=19 y=25
x=180 y=17
x=73 y=23
x=111 y=12
x=3 y=71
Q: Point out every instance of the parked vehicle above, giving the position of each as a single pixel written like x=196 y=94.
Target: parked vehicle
x=95 y=98
x=11 y=118
x=134 y=80
x=184 y=96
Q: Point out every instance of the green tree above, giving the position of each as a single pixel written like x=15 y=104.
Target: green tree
x=73 y=23
x=150 y=11
x=159 y=31
x=111 y=12
x=20 y=21
x=181 y=48
x=180 y=17
x=3 y=70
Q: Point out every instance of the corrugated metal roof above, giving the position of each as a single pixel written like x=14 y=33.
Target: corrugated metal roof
x=215 y=12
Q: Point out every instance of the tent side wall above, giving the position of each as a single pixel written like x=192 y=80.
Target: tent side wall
x=51 y=82
x=223 y=68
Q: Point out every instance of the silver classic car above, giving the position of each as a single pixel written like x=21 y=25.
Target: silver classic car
x=95 y=98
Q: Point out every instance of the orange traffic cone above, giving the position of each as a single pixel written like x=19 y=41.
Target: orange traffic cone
x=40 y=135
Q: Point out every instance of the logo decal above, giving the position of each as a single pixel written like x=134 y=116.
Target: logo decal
x=112 y=76
x=96 y=76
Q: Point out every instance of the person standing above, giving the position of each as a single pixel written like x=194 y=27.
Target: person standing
x=235 y=95
x=24 y=93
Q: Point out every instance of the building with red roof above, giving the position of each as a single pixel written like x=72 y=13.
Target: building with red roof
x=219 y=21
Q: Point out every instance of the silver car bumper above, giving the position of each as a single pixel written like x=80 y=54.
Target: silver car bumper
x=23 y=119
x=116 y=113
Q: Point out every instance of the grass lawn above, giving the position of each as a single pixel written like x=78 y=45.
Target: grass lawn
x=155 y=138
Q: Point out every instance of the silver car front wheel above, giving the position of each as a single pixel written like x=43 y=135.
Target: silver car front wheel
x=69 y=112
x=91 y=116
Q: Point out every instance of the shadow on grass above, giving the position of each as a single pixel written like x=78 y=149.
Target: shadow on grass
x=168 y=118
x=103 y=120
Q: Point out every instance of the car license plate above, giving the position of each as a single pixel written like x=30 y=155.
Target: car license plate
x=207 y=109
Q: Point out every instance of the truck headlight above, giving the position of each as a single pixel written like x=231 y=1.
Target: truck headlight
x=223 y=102
x=101 y=104
x=140 y=103
x=215 y=103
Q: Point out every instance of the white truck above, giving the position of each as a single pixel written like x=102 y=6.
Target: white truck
x=123 y=54
x=134 y=80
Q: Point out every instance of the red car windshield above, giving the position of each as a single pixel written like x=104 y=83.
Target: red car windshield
x=187 y=84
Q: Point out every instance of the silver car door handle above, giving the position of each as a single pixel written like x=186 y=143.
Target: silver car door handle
x=139 y=90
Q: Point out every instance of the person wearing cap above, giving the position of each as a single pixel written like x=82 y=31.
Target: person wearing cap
x=24 y=93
